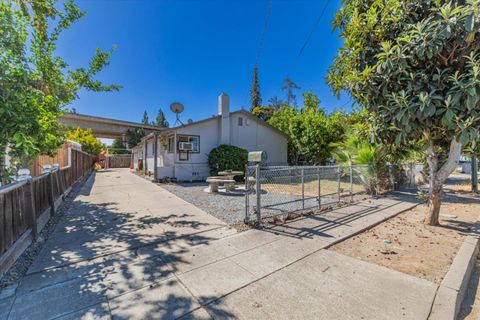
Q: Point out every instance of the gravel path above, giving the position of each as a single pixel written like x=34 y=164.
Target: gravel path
x=231 y=207
x=228 y=208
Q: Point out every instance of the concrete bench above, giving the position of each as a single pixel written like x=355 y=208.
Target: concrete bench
x=214 y=182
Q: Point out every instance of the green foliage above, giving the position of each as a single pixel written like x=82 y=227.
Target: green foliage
x=264 y=113
x=134 y=136
x=145 y=119
x=90 y=144
x=118 y=147
x=227 y=157
x=276 y=103
x=255 y=95
x=416 y=64
x=35 y=84
x=289 y=86
x=311 y=131
x=161 y=120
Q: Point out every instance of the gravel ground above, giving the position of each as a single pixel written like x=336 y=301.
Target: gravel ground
x=231 y=207
x=228 y=208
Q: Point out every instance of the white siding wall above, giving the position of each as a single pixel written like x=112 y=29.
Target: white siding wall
x=136 y=156
x=258 y=137
x=196 y=167
x=150 y=155
x=254 y=137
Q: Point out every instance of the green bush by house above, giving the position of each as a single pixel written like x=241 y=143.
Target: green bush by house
x=227 y=157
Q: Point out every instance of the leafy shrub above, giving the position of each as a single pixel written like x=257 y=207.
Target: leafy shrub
x=227 y=157
x=90 y=144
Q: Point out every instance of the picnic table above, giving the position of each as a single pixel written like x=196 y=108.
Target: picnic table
x=229 y=174
x=224 y=177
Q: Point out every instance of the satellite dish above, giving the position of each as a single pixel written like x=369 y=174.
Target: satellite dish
x=177 y=108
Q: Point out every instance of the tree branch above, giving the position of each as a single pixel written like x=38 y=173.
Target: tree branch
x=451 y=164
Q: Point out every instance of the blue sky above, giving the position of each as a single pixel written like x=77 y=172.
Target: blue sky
x=191 y=51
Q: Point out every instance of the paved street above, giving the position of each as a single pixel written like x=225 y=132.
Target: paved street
x=129 y=249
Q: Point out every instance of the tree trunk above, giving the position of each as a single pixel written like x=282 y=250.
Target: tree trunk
x=433 y=209
x=438 y=178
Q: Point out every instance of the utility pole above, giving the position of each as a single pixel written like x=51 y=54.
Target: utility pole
x=474 y=172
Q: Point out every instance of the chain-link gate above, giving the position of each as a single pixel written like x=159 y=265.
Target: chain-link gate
x=278 y=190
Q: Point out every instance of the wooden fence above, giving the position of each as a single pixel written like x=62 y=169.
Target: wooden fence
x=26 y=206
x=61 y=157
x=119 y=161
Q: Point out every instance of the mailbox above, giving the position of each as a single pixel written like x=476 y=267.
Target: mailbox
x=257 y=156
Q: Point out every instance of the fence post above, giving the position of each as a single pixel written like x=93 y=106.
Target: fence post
x=412 y=175
x=50 y=195
x=247 y=190
x=390 y=176
x=30 y=207
x=318 y=190
x=258 y=191
x=303 y=188
x=339 y=176
x=351 y=182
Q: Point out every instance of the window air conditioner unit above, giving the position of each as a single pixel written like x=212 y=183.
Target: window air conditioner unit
x=185 y=146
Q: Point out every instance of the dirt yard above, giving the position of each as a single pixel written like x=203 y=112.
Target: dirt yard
x=470 y=309
x=405 y=244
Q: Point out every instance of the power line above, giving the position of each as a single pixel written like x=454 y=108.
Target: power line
x=266 y=22
x=307 y=40
x=261 y=41
x=309 y=37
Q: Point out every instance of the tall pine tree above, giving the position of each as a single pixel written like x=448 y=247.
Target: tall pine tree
x=145 y=118
x=255 y=96
x=289 y=86
x=161 y=120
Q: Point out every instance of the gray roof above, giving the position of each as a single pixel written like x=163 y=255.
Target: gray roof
x=243 y=112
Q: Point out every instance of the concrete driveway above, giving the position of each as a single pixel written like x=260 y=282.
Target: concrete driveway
x=128 y=249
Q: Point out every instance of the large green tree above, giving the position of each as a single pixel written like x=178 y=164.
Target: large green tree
x=264 y=112
x=145 y=119
x=35 y=83
x=310 y=130
x=134 y=136
x=255 y=95
x=416 y=65
x=118 y=147
x=161 y=120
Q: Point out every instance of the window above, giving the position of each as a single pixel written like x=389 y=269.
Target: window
x=183 y=156
x=171 y=144
x=240 y=121
x=194 y=140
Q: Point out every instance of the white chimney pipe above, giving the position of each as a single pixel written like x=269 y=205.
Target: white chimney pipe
x=224 y=112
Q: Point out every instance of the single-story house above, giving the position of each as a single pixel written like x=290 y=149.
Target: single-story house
x=182 y=152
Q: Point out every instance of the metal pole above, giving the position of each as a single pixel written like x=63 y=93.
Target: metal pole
x=474 y=174
x=258 y=191
x=303 y=189
x=339 y=173
x=412 y=175
x=351 y=183
x=318 y=190
x=247 y=189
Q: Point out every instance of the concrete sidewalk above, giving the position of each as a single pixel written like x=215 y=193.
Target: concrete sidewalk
x=128 y=249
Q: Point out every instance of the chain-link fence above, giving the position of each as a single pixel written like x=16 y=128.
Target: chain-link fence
x=279 y=190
